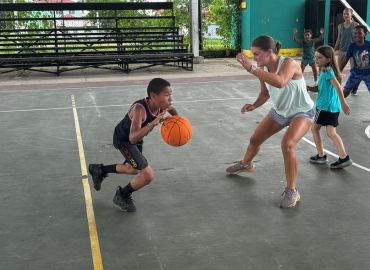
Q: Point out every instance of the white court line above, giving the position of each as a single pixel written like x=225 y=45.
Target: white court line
x=122 y=105
x=124 y=86
x=335 y=155
x=367 y=131
x=183 y=101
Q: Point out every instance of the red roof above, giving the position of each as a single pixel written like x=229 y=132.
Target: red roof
x=54 y=1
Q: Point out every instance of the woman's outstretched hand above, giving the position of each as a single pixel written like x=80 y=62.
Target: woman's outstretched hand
x=244 y=61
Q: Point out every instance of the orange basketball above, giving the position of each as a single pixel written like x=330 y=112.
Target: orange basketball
x=176 y=130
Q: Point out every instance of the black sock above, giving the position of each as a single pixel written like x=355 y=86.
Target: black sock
x=127 y=190
x=110 y=168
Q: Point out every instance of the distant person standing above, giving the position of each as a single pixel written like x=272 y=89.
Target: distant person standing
x=308 y=45
x=345 y=35
x=359 y=52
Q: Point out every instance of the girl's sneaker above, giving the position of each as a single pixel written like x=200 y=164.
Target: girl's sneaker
x=341 y=163
x=319 y=160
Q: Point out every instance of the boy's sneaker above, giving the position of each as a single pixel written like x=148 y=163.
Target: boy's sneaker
x=290 y=198
x=125 y=204
x=354 y=92
x=238 y=167
x=319 y=160
x=341 y=163
x=98 y=175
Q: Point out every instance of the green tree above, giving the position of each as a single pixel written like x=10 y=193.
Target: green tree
x=225 y=14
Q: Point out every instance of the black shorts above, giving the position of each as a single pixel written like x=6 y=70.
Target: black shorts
x=326 y=118
x=133 y=153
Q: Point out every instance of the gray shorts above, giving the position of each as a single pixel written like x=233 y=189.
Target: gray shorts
x=285 y=121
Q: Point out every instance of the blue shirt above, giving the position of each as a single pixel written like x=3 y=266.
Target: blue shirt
x=327 y=99
x=360 y=55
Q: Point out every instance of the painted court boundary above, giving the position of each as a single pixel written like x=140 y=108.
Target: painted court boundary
x=94 y=240
x=367 y=131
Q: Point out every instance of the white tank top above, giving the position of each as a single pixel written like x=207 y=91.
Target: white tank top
x=292 y=98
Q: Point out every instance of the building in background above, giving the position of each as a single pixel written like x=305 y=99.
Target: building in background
x=277 y=18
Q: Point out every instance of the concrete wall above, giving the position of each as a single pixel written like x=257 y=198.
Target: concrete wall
x=275 y=18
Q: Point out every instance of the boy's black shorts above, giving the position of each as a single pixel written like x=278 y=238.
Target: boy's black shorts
x=326 y=118
x=133 y=155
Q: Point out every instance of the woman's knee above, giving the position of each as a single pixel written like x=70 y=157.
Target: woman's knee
x=288 y=145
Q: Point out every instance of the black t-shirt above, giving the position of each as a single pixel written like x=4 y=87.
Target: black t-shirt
x=122 y=131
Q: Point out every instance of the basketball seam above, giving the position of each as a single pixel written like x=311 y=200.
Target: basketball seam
x=186 y=125
x=178 y=126
x=168 y=135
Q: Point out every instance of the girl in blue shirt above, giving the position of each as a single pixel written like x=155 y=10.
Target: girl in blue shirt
x=329 y=102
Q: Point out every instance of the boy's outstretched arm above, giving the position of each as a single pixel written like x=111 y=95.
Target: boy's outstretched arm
x=295 y=38
x=321 y=37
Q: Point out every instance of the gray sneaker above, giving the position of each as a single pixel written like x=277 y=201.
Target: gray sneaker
x=290 y=198
x=238 y=167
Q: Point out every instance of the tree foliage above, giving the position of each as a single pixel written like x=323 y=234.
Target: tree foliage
x=225 y=14
x=25 y=19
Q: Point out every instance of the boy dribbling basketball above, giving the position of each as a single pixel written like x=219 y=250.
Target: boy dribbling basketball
x=139 y=121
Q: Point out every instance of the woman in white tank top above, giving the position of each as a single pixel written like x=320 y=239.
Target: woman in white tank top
x=284 y=84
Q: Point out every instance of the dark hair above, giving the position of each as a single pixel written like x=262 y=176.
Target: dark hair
x=265 y=43
x=328 y=52
x=157 y=85
x=308 y=31
x=361 y=27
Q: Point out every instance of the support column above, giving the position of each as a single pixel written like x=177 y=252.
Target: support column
x=326 y=21
x=194 y=31
x=368 y=18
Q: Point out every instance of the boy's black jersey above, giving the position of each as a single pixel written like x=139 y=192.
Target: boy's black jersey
x=122 y=130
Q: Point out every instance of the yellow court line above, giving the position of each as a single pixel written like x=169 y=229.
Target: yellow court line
x=94 y=240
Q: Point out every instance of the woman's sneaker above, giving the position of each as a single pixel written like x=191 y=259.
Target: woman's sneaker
x=290 y=198
x=238 y=167
x=341 y=163
x=319 y=160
